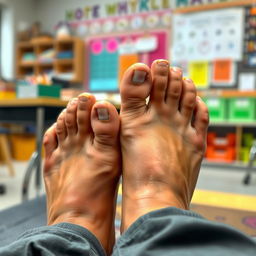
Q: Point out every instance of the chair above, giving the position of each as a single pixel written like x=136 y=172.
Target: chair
x=6 y=153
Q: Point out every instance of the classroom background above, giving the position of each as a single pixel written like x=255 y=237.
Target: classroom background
x=52 y=50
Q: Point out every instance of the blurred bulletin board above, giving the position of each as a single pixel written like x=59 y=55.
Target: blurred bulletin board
x=210 y=35
x=218 y=39
x=109 y=56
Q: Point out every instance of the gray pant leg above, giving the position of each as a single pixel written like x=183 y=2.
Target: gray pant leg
x=176 y=232
x=63 y=239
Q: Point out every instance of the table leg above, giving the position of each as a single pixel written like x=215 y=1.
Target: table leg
x=40 y=113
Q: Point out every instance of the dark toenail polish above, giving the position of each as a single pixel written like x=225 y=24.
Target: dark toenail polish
x=103 y=114
x=83 y=99
x=163 y=63
x=139 y=76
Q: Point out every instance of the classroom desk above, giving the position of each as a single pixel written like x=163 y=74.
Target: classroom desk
x=39 y=111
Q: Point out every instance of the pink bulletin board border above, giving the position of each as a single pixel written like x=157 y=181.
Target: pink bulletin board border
x=121 y=34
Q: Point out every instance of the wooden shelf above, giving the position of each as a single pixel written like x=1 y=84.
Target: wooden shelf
x=233 y=124
x=64 y=61
x=45 y=64
x=238 y=165
x=213 y=6
x=226 y=93
x=27 y=64
x=73 y=65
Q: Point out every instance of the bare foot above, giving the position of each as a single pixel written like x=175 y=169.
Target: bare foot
x=163 y=142
x=82 y=167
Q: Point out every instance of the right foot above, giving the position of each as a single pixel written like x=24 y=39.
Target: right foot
x=82 y=167
x=163 y=142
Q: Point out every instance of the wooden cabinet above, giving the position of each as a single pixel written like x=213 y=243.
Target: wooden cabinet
x=65 y=58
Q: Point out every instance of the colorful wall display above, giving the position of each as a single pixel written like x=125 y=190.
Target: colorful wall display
x=149 y=20
x=110 y=56
x=250 y=38
x=186 y=3
x=116 y=9
x=208 y=35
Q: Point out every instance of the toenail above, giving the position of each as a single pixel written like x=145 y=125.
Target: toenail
x=83 y=98
x=103 y=114
x=139 y=76
x=188 y=80
x=163 y=63
x=176 y=69
x=198 y=98
x=73 y=101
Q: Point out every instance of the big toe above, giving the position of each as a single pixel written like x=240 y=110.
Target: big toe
x=105 y=125
x=135 y=87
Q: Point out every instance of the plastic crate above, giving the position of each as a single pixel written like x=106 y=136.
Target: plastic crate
x=242 y=109
x=247 y=139
x=225 y=155
x=244 y=154
x=34 y=91
x=217 y=108
x=221 y=142
x=23 y=146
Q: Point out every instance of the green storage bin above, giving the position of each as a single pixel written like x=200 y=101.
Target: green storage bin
x=242 y=109
x=217 y=108
x=35 y=91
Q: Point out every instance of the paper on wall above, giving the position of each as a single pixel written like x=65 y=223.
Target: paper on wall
x=224 y=72
x=247 y=81
x=199 y=73
x=146 y=44
x=208 y=35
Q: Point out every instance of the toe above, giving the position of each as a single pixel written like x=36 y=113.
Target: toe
x=50 y=141
x=71 y=118
x=174 y=89
x=61 y=129
x=135 y=87
x=105 y=124
x=188 y=101
x=160 y=76
x=201 y=117
x=85 y=103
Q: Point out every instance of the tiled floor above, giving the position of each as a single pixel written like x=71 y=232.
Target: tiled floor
x=210 y=179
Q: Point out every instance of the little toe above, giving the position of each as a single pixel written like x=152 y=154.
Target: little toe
x=105 y=124
x=71 y=117
x=201 y=118
x=135 y=87
x=174 y=89
x=61 y=129
x=85 y=103
x=50 y=141
x=187 y=101
x=160 y=77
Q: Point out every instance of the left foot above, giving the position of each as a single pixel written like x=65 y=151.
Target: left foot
x=82 y=167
